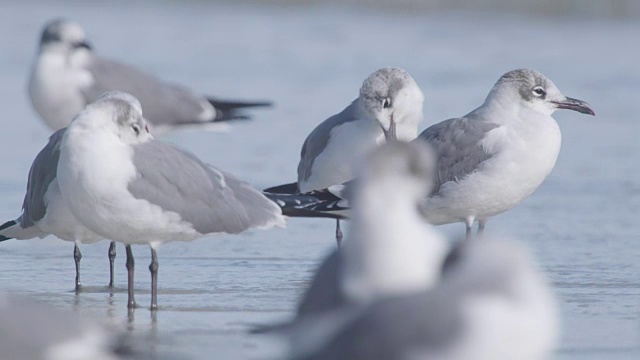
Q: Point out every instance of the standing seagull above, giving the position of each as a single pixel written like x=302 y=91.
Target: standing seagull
x=44 y=212
x=389 y=107
x=124 y=185
x=67 y=75
x=491 y=303
x=493 y=158
x=489 y=161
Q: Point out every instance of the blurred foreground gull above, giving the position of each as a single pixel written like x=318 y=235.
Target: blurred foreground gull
x=490 y=160
x=67 y=75
x=44 y=211
x=124 y=185
x=34 y=331
x=389 y=107
x=492 y=303
x=389 y=250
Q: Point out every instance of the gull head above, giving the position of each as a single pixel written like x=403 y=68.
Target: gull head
x=530 y=89
x=401 y=167
x=63 y=36
x=118 y=113
x=392 y=98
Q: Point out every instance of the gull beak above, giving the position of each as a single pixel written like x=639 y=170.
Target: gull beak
x=390 y=135
x=575 y=105
x=83 y=44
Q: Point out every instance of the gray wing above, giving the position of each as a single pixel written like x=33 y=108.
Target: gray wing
x=395 y=328
x=319 y=138
x=43 y=171
x=324 y=292
x=211 y=200
x=456 y=143
x=162 y=103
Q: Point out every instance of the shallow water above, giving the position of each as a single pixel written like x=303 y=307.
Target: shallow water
x=581 y=224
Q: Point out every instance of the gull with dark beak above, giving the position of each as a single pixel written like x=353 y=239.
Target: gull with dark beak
x=389 y=108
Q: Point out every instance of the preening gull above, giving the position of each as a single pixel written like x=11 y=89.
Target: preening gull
x=389 y=107
x=122 y=184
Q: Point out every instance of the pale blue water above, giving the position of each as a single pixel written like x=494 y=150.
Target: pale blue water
x=582 y=223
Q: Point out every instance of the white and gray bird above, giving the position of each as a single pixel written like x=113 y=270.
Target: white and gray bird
x=67 y=75
x=389 y=250
x=389 y=107
x=491 y=303
x=123 y=185
x=44 y=212
x=489 y=160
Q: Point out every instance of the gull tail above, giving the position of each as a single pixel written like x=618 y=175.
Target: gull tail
x=314 y=204
x=232 y=110
x=6 y=225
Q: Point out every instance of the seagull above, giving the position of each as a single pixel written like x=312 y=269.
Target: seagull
x=67 y=75
x=123 y=185
x=389 y=107
x=36 y=331
x=45 y=213
x=491 y=303
x=389 y=249
x=489 y=160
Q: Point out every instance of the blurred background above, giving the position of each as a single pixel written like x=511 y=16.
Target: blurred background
x=310 y=57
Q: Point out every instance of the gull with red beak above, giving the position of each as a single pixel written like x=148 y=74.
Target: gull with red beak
x=389 y=108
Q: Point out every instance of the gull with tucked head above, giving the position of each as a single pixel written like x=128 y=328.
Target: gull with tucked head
x=389 y=107
x=122 y=184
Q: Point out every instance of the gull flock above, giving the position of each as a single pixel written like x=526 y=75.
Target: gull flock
x=394 y=288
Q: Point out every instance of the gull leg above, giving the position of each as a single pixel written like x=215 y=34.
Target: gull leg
x=77 y=256
x=130 y=264
x=338 y=233
x=469 y=223
x=481 y=224
x=153 y=267
x=112 y=259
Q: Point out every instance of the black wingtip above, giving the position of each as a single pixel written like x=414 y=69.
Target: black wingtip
x=291 y=188
x=232 y=110
x=4 y=226
x=315 y=204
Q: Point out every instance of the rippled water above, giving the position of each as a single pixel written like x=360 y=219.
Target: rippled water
x=582 y=223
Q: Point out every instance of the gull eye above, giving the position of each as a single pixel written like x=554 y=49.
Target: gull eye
x=386 y=103
x=539 y=91
x=136 y=128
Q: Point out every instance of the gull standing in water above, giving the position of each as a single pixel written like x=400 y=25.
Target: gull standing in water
x=491 y=303
x=45 y=213
x=389 y=107
x=389 y=249
x=489 y=160
x=67 y=75
x=124 y=185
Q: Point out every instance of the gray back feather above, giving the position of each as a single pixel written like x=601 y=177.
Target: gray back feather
x=457 y=148
x=317 y=141
x=324 y=292
x=397 y=327
x=43 y=171
x=162 y=103
x=211 y=200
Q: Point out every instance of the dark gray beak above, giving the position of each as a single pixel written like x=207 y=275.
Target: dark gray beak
x=575 y=105
x=83 y=44
x=390 y=135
